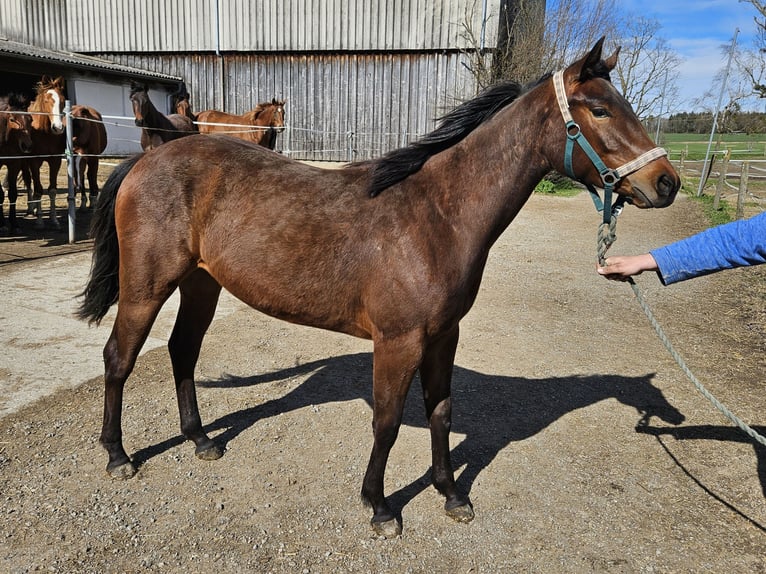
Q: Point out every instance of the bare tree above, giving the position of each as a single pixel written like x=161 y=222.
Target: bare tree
x=644 y=71
x=751 y=62
x=533 y=41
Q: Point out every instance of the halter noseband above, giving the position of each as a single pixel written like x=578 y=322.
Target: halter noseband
x=609 y=177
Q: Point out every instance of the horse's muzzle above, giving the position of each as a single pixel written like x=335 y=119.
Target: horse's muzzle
x=140 y=122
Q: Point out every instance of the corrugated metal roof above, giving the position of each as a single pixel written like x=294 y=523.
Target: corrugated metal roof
x=33 y=53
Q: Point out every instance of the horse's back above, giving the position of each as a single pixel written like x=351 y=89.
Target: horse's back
x=259 y=223
x=235 y=126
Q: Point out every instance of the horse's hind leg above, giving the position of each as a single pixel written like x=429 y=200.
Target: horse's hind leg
x=131 y=327
x=199 y=297
x=436 y=378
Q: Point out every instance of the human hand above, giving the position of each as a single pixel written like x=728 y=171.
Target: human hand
x=623 y=267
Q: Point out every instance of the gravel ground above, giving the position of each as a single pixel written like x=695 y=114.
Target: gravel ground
x=583 y=446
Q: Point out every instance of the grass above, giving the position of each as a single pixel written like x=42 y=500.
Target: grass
x=694 y=146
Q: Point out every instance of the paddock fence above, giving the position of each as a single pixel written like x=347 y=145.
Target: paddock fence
x=740 y=182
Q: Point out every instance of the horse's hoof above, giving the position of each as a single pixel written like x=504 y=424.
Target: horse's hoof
x=462 y=513
x=388 y=529
x=122 y=471
x=208 y=452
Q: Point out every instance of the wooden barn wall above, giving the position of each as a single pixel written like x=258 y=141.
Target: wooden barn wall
x=42 y=23
x=339 y=107
x=273 y=25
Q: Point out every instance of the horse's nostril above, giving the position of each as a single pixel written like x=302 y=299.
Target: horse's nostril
x=667 y=184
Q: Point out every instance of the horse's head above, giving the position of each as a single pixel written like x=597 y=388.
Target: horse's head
x=139 y=99
x=50 y=102
x=16 y=125
x=270 y=114
x=183 y=107
x=600 y=118
x=277 y=115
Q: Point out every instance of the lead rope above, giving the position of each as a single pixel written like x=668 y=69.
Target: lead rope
x=606 y=237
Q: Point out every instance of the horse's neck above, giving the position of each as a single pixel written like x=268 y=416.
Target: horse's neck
x=487 y=178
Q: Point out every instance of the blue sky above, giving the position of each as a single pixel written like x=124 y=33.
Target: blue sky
x=696 y=30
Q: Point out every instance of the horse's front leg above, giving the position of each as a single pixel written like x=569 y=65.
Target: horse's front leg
x=13 y=195
x=54 y=165
x=79 y=180
x=199 y=297
x=395 y=363
x=436 y=379
x=92 y=164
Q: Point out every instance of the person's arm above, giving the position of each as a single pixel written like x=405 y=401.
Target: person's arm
x=736 y=244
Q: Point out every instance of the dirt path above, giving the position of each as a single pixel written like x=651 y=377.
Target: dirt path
x=583 y=446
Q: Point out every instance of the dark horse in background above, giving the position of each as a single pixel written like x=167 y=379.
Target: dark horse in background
x=391 y=250
x=260 y=125
x=15 y=142
x=157 y=128
x=88 y=142
x=48 y=141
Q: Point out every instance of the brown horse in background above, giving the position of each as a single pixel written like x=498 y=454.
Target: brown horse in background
x=48 y=141
x=157 y=128
x=260 y=125
x=183 y=106
x=15 y=142
x=88 y=142
x=391 y=250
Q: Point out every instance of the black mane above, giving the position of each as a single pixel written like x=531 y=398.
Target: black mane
x=455 y=126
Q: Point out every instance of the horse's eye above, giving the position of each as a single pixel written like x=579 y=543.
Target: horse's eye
x=599 y=113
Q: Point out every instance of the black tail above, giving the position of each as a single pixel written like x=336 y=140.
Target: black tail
x=103 y=288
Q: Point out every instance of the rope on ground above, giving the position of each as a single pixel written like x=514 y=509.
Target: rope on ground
x=605 y=240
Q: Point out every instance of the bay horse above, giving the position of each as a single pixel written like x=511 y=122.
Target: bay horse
x=390 y=250
x=88 y=142
x=157 y=128
x=48 y=145
x=15 y=142
x=267 y=120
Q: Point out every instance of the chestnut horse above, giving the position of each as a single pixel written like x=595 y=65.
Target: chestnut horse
x=267 y=120
x=157 y=128
x=391 y=250
x=15 y=142
x=48 y=145
x=88 y=142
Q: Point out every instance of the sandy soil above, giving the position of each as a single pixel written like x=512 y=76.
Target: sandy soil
x=583 y=446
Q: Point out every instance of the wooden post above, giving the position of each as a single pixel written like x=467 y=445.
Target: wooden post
x=721 y=180
x=742 y=189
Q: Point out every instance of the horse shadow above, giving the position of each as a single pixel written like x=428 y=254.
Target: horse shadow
x=519 y=407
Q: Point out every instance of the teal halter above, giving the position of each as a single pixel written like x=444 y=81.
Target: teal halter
x=609 y=177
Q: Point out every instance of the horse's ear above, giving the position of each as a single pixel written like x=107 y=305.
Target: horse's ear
x=592 y=61
x=611 y=61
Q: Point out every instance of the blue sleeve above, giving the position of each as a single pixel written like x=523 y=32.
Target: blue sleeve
x=736 y=244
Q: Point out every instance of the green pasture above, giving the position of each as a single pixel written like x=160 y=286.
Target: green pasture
x=694 y=146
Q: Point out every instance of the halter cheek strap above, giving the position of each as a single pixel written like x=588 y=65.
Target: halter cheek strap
x=609 y=177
